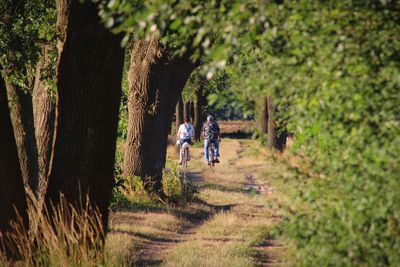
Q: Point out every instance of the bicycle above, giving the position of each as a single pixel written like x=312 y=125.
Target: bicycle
x=185 y=155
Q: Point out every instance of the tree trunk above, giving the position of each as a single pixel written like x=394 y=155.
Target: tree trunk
x=198 y=114
x=12 y=194
x=281 y=139
x=191 y=117
x=276 y=135
x=186 y=110
x=24 y=131
x=271 y=124
x=155 y=84
x=44 y=116
x=89 y=78
x=264 y=116
x=179 y=113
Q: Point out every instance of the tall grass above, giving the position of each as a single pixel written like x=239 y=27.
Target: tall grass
x=69 y=237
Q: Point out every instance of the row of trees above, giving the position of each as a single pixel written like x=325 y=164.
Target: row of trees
x=71 y=155
x=327 y=71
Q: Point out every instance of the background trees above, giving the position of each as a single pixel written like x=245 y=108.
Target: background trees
x=28 y=55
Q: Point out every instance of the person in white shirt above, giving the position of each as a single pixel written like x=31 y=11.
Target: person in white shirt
x=185 y=134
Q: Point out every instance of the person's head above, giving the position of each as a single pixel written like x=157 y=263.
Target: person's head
x=210 y=118
x=186 y=120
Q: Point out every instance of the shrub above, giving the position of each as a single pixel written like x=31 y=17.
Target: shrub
x=175 y=185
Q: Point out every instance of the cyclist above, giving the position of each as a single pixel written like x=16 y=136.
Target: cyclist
x=211 y=134
x=184 y=135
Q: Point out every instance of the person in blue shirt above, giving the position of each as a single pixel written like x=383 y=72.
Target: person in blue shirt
x=211 y=134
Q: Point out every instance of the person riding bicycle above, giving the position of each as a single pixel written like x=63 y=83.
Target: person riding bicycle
x=184 y=135
x=211 y=134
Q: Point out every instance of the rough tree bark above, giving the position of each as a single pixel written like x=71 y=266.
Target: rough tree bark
x=155 y=84
x=44 y=116
x=24 y=131
x=198 y=113
x=12 y=194
x=264 y=116
x=88 y=96
x=179 y=113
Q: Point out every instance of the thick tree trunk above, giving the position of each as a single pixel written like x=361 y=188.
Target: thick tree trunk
x=88 y=96
x=264 y=116
x=155 y=84
x=12 y=194
x=179 y=113
x=44 y=116
x=271 y=124
x=24 y=131
x=198 y=114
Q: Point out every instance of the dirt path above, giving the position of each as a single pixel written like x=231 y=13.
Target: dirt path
x=228 y=224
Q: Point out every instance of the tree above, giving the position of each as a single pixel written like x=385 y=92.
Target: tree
x=44 y=117
x=89 y=77
x=26 y=27
x=24 y=130
x=264 y=116
x=179 y=113
x=199 y=103
x=156 y=82
x=187 y=110
x=271 y=124
x=12 y=193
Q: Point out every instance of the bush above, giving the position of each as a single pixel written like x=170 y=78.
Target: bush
x=175 y=186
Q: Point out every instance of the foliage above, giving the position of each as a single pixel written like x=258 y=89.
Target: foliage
x=175 y=186
x=24 y=27
x=334 y=67
x=337 y=66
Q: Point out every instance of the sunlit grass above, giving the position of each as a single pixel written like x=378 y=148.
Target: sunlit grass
x=202 y=253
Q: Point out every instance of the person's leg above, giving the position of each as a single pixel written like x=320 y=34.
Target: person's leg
x=216 y=148
x=180 y=155
x=180 y=152
x=206 y=144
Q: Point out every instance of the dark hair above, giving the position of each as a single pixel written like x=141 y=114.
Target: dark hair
x=186 y=119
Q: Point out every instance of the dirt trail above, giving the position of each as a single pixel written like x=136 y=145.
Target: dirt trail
x=232 y=210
